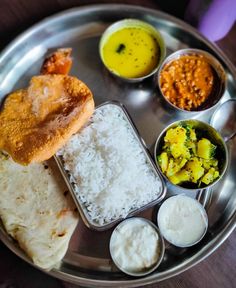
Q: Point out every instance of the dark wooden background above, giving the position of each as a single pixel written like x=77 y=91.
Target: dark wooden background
x=219 y=269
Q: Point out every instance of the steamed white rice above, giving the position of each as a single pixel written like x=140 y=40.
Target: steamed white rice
x=109 y=167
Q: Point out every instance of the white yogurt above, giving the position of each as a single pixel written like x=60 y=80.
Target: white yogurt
x=135 y=246
x=182 y=220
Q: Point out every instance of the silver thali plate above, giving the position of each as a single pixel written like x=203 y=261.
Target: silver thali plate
x=87 y=261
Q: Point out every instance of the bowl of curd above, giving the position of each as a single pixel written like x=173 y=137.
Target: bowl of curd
x=132 y=49
x=182 y=221
x=136 y=246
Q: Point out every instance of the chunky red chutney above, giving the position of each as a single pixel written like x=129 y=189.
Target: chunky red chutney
x=188 y=81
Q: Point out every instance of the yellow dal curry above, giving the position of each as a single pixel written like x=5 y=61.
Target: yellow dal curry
x=131 y=52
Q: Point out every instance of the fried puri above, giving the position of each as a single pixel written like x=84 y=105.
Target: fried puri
x=37 y=121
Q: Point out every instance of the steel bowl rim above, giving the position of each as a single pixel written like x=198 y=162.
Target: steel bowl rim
x=204 y=214
x=160 y=240
x=188 y=51
x=133 y=21
x=208 y=126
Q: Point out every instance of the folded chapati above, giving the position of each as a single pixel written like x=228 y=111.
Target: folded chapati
x=36 y=209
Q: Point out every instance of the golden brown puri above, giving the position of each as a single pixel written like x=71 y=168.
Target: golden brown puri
x=59 y=62
x=37 y=121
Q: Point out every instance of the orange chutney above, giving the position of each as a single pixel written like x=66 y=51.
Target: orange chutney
x=188 y=81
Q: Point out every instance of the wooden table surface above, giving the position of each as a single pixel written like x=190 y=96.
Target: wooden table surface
x=219 y=269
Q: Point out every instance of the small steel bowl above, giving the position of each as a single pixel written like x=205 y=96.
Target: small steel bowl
x=219 y=74
x=133 y=23
x=206 y=131
x=160 y=240
x=202 y=211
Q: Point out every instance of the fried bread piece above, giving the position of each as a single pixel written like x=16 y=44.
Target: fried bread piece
x=37 y=121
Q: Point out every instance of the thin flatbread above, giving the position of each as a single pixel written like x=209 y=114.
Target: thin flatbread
x=36 y=209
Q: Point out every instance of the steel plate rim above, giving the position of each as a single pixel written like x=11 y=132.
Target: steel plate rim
x=64 y=14
x=131 y=283
x=148 y=279
x=214 y=243
x=151 y=278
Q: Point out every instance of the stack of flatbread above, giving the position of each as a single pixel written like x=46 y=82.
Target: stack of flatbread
x=35 y=206
x=36 y=209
